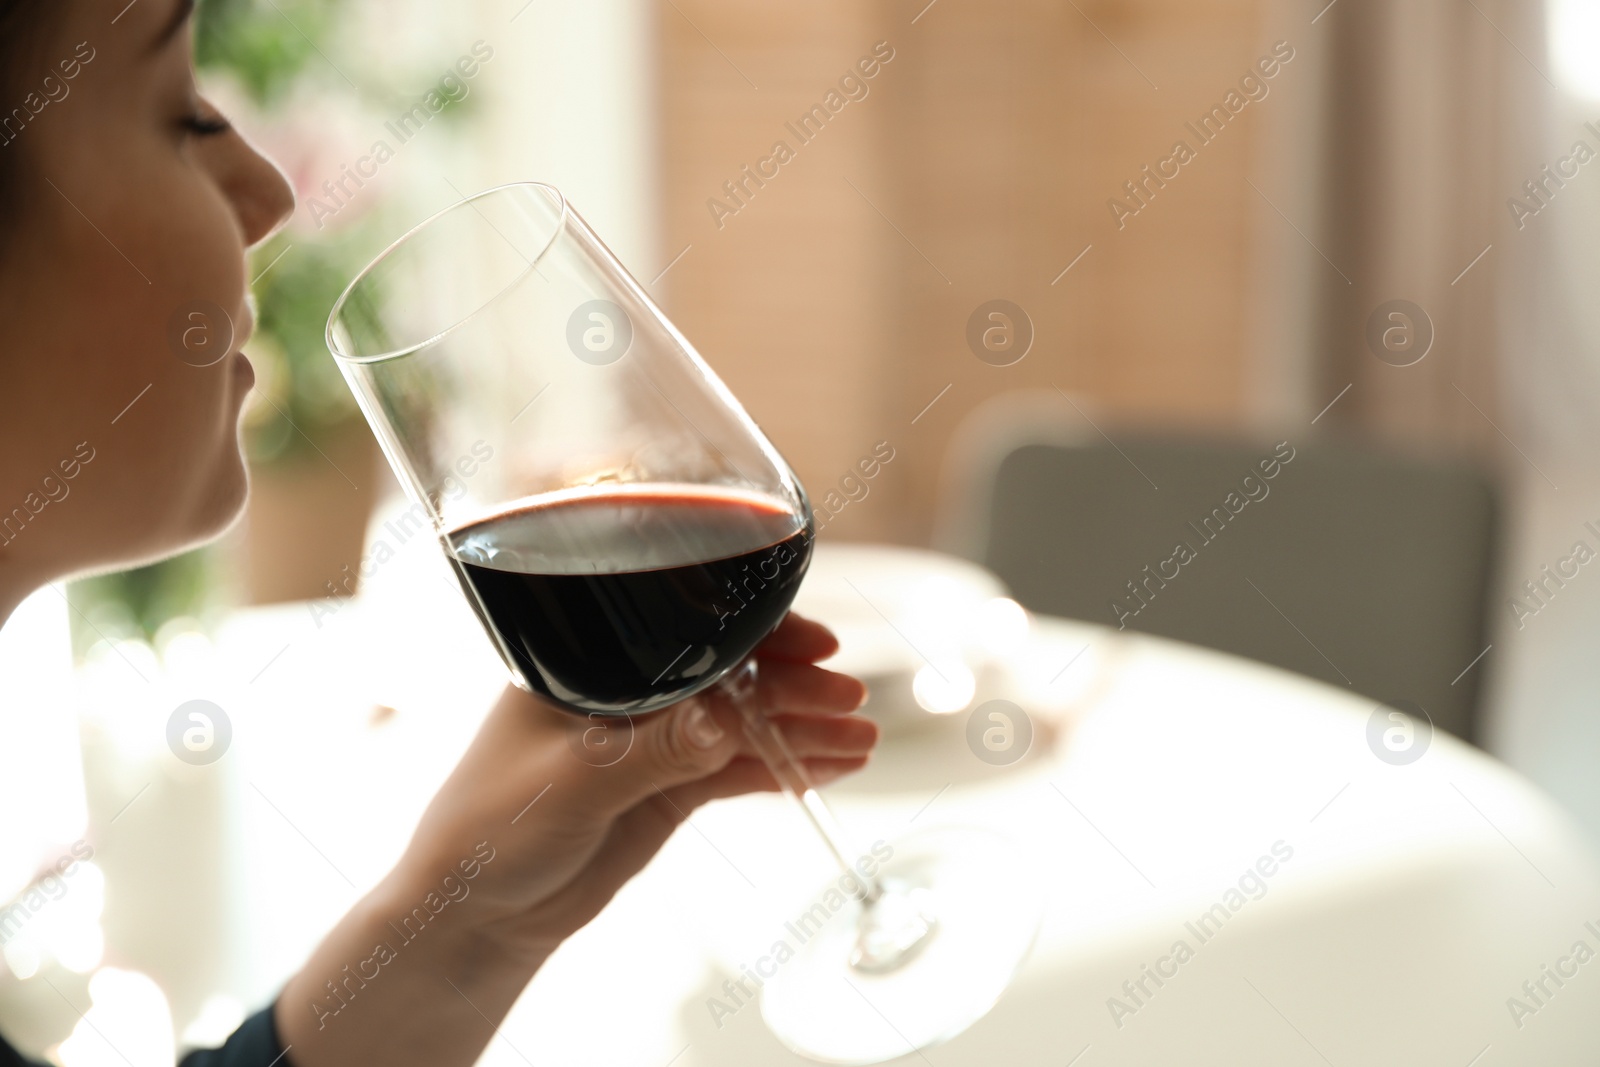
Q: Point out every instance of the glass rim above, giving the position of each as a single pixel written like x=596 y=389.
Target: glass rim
x=404 y=239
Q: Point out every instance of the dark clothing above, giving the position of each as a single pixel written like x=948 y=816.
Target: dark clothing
x=254 y=1044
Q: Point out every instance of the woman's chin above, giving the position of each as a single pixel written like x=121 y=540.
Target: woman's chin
x=219 y=510
x=232 y=497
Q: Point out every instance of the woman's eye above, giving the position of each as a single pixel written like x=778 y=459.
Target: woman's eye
x=201 y=126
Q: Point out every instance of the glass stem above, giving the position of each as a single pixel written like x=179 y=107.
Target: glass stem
x=767 y=739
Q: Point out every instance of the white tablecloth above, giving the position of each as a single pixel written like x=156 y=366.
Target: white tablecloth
x=1414 y=904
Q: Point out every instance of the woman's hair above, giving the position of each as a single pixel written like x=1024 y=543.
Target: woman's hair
x=23 y=24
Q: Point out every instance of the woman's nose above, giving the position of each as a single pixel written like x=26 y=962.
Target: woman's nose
x=261 y=195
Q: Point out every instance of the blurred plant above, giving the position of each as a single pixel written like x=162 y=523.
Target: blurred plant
x=135 y=604
x=265 y=49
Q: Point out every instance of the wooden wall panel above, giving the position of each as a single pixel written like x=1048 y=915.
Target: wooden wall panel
x=978 y=167
x=785 y=297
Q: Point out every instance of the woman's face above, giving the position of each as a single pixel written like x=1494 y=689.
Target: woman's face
x=123 y=294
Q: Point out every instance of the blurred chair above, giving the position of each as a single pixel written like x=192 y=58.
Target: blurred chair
x=1355 y=567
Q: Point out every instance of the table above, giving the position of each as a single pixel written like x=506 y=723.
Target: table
x=1406 y=904
x=1416 y=900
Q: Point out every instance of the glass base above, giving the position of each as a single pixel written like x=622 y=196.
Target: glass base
x=986 y=911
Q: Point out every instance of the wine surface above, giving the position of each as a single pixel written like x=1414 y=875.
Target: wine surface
x=627 y=600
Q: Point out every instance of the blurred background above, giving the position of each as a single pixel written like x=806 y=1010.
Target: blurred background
x=1148 y=240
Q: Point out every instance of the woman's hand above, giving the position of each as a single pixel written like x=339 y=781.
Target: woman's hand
x=574 y=807
x=542 y=821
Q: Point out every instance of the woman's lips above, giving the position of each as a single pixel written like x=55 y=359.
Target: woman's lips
x=244 y=325
x=245 y=329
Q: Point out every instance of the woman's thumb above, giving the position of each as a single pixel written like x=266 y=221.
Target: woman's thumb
x=686 y=742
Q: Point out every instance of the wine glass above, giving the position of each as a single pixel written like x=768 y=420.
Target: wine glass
x=628 y=536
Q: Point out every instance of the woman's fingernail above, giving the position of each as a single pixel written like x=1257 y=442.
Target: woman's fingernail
x=702 y=728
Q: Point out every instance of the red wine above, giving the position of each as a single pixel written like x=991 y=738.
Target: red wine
x=626 y=600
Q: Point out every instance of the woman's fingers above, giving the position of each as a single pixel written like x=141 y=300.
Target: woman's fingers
x=799 y=639
x=697 y=738
x=812 y=736
x=801 y=688
x=691 y=740
x=752 y=776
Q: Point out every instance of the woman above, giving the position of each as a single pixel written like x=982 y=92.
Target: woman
x=125 y=197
